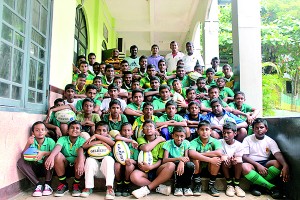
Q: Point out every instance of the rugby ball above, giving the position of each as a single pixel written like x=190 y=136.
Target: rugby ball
x=146 y=157
x=65 y=116
x=193 y=76
x=121 y=152
x=98 y=151
x=30 y=154
x=177 y=97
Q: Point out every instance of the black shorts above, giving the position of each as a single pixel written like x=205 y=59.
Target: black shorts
x=263 y=162
x=152 y=174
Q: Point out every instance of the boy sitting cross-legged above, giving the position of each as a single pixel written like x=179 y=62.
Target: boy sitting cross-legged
x=206 y=152
x=176 y=151
x=99 y=168
x=152 y=176
x=67 y=157
x=232 y=159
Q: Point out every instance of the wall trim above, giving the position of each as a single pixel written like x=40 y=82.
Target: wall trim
x=15 y=188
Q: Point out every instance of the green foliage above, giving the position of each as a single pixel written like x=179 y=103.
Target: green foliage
x=225 y=33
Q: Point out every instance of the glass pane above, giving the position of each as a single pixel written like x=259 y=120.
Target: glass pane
x=18 y=23
x=16 y=92
x=38 y=38
x=81 y=50
x=5 y=64
x=4 y=90
x=82 y=38
x=31 y=96
x=19 y=40
x=17 y=66
x=39 y=97
x=42 y=54
x=11 y=3
x=21 y=8
x=32 y=73
x=40 y=81
x=7 y=33
x=75 y=45
x=7 y=15
x=34 y=50
x=35 y=14
x=43 y=28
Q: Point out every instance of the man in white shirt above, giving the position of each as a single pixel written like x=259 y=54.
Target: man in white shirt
x=191 y=59
x=173 y=57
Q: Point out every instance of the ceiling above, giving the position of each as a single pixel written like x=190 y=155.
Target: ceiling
x=148 y=22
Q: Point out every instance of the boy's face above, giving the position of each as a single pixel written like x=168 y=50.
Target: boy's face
x=92 y=59
x=210 y=75
x=39 y=131
x=118 y=82
x=228 y=135
x=61 y=103
x=134 y=51
x=260 y=130
x=143 y=63
x=148 y=111
x=135 y=85
x=217 y=109
x=162 y=66
x=138 y=98
x=154 y=50
x=239 y=99
x=115 y=110
x=74 y=130
x=164 y=94
x=213 y=93
x=154 y=84
x=180 y=73
x=83 y=68
x=189 y=48
x=191 y=95
x=81 y=81
x=97 y=83
x=128 y=79
x=80 y=60
x=199 y=70
x=149 y=129
x=88 y=107
x=204 y=132
x=194 y=109
x=96 y=69
x=176 y=85
x=151 y=72
x=115 y=53
x=124 y=67
x=221 y=83
x=226 y=70
x=101 y=130
x=102 y=68
x=91 y=93
x=174 y=46
x=69 y=93
x=180 y=63
x=126 y=131
x=110 y=72
x=113 y=93
x=178 y=137
x=201 y=84
x=215 y=63
x=171 y=110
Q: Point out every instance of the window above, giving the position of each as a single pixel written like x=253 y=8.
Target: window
x=80 y=37
x=24 y=49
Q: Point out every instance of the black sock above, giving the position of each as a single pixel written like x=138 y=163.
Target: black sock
x=229 y=181
x=212 y=180
x=39 y=183
x=236 y=182
x=63 y=179
x=48 y=182
x=197 y=178
x=76 y=181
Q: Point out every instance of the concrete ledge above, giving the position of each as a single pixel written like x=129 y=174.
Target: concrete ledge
x=15 y=188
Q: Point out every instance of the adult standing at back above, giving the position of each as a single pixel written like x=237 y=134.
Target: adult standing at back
x=191 y=59
x=173 y=57
x=154 y=57
x=92 y=60
x=133 y=59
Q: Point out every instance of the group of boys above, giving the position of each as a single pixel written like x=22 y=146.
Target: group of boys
x=191 y=122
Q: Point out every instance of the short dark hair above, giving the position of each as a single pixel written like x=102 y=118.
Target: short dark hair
x=80 y=56
x=102 y=123
x=124 y=61
x=179 y=67
x=194 y=103
x=147 y=104
x=112 y=86
x=109 y=66
x=204 y=123
x=171 y=103
x=91 y=87
x=213 y=87
x=142 y=57
x=36 y=123
x=260 y=120
x=230 y=125
x=227 y=65
x=127 y=72
x=73 y=123
x=133 y=47
x=190 y=89
x=200 y=79
x=125 y=124
x=137 y=91
x=154 y=45
x=150 y=66
x=58 y=100
x=113 y=102
x=176 y=80
x=210 y=70
x=91 y=54
x=149 y=121
x=179 y=129
x=154 y=78
x=221 y=78
x=70 y=86
x=164 y=86
x=88 y=100
x=83 y=62
x=239 y=92
x=161 y=60
x=81 y=75
x=215 y=100
x=97 y=78
x=96 y=63
x=117 y=77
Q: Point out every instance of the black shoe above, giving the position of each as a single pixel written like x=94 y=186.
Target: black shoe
x=255 y=191
x=119 y=190
x=275 y=193
x=197 y=189
x=213 y=191
x=125 y=192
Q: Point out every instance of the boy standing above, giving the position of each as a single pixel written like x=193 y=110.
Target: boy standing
x=32 y=170
x=206 y=151
x=258 y=167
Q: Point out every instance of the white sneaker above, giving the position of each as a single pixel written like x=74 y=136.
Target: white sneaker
x=178 y=192
x=188 y=192
x=230 y=191
x=163 y=189
x=38 y=191
x=141 y=192
x=47 y=190
x=239 y=192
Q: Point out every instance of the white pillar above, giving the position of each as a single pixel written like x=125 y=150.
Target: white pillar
x=211 y=35
x=246 y=35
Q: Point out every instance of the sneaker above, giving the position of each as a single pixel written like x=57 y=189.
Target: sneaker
x=197 y=190
x=86 y=192
x=141 y=192
x=239 y=192
x=164 y=189
x=38 y=191
x=213 y=191
x=125 y=192
x=61 y=190
x=254 y=191
x=119 y=190
x=230 y=191
x=76 y=191
x=110 y=194
x=47 y=190
x=178 y=192
x=275 y=193
x=188 y=192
